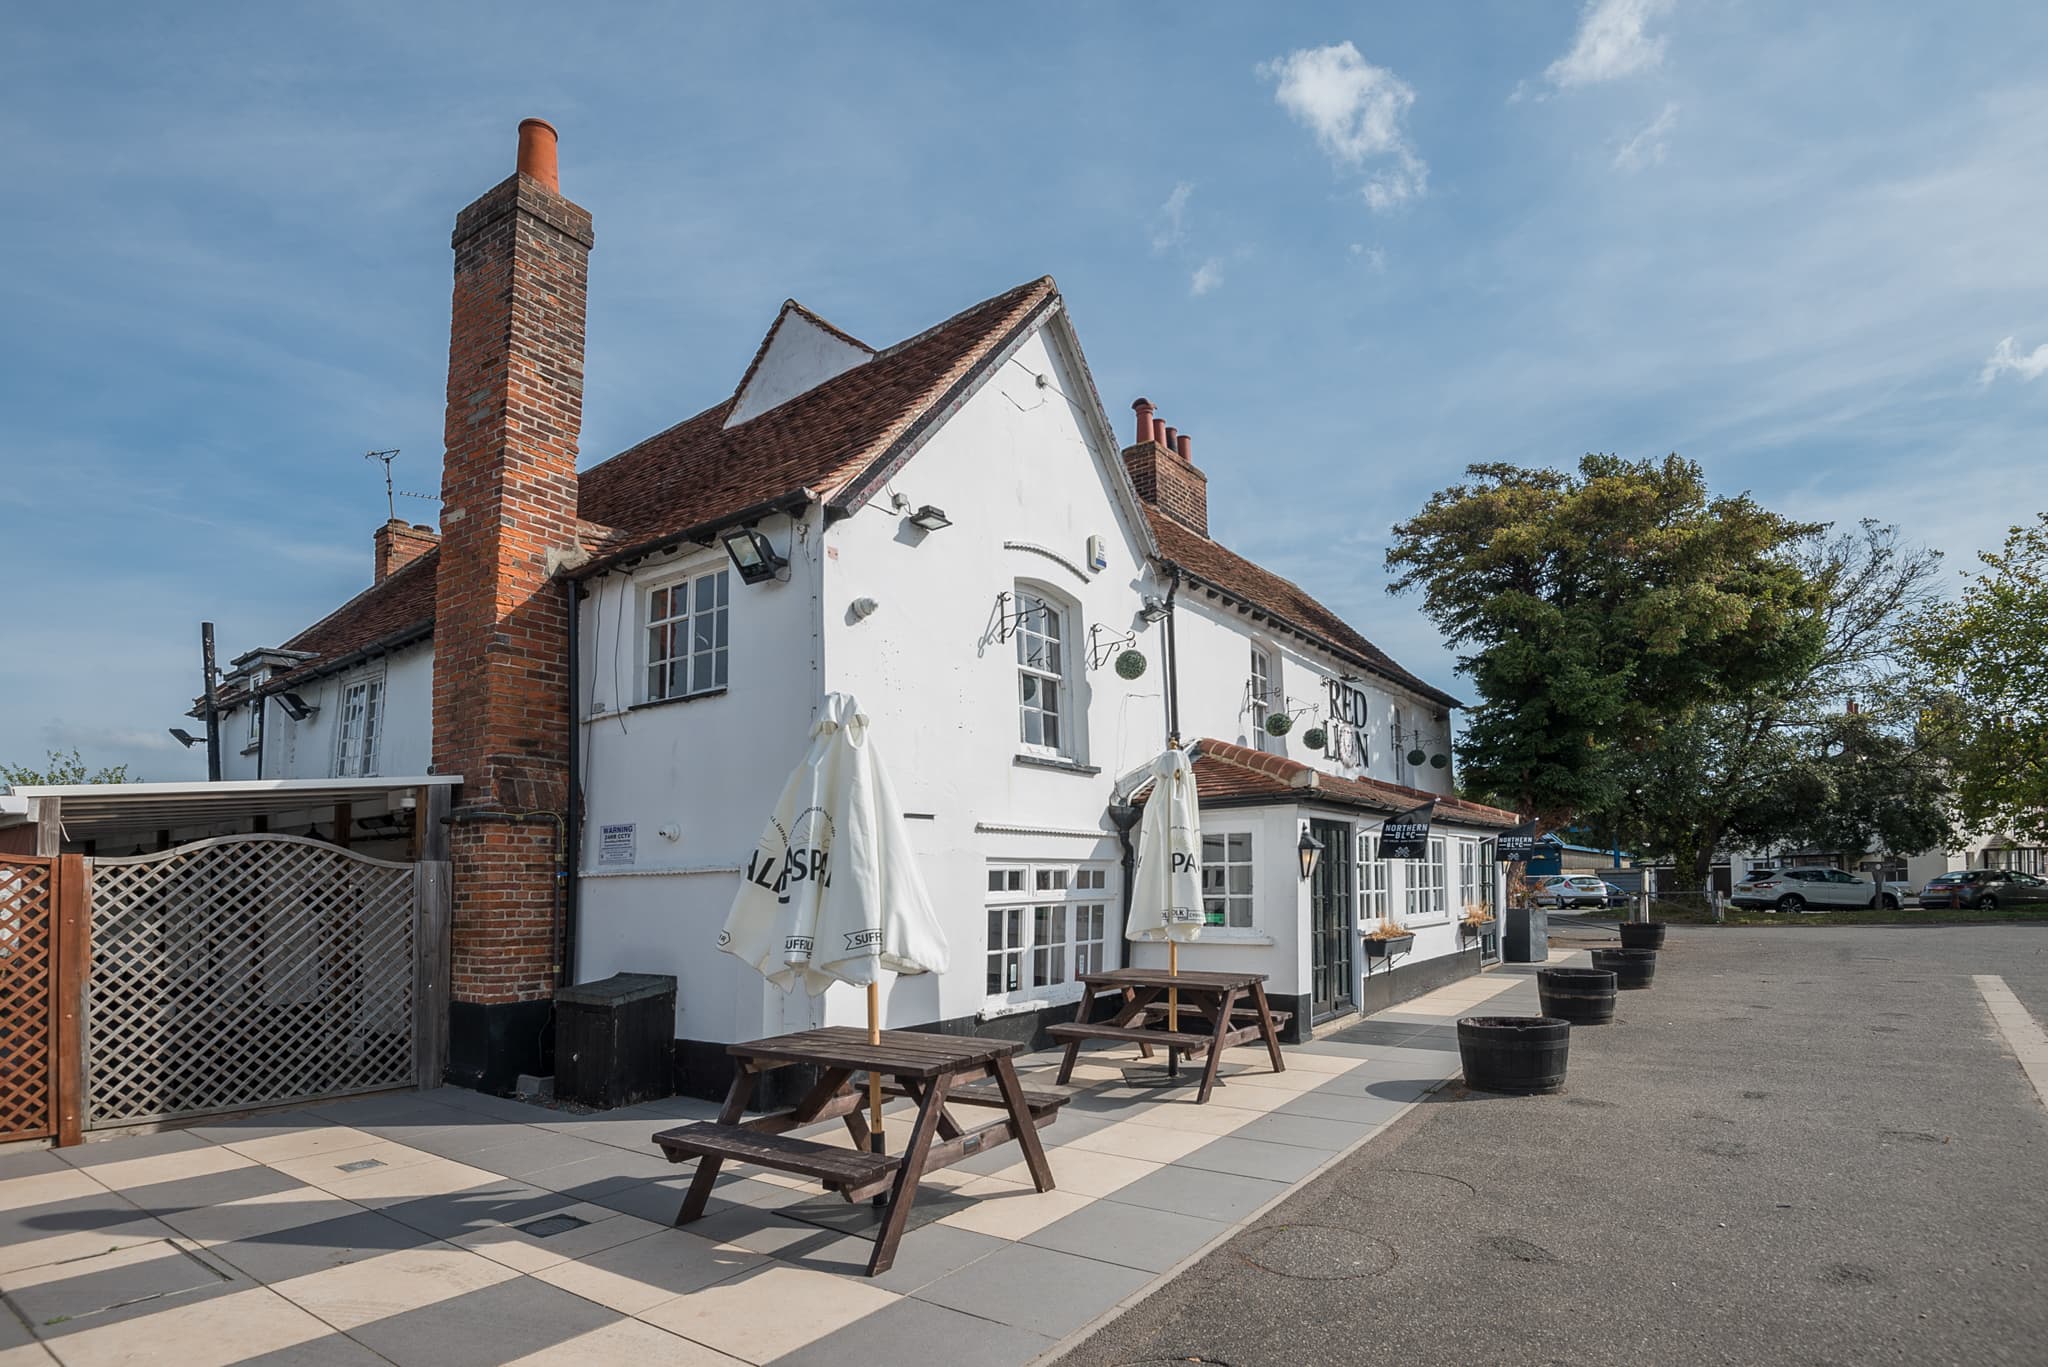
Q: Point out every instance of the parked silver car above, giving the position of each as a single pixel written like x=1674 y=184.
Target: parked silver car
x=1563 y=890
x=1814 y=890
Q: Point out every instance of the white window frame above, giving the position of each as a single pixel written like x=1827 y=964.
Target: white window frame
x=1426 y=885
x=359 y=735
x=256 y=682
x=1076 y=901
x=1475 y=887
x=1260 y=687
x=715 y=662
x=1059 y=677
x=1375 y=882
x=1234 y=866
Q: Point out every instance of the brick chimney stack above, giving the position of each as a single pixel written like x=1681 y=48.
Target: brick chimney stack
x=399 y=543
x=508 y=512
x=1162 y=467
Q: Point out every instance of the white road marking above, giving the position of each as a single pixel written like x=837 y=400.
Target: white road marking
x=2022 y=1032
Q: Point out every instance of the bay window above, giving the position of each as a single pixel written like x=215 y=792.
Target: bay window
x=1047 y=925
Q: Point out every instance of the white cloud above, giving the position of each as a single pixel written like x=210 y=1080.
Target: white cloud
x=2005 y=357
x=1648 y=146
x=1355 y=110
x=1611 y=43
x=1172 y=217
x=1374 y=257
x=1207 y=277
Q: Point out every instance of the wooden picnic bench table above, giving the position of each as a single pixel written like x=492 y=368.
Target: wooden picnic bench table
x=1228 y=1008
x=936 y=1071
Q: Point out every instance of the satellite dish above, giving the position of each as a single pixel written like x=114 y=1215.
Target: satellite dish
x=1417 y=757
x=1439 y=761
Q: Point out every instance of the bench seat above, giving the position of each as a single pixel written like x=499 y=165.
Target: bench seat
x=1244 y=1014
x=838 y=1168
x=1074 y=1032
x=984 y=1093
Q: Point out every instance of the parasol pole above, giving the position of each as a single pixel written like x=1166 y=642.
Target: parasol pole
x=874 y=1077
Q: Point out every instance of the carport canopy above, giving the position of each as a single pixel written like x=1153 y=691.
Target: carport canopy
x=103 y=812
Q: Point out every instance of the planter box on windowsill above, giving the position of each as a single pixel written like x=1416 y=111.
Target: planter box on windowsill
x=1376 y=948
x=1477 y=927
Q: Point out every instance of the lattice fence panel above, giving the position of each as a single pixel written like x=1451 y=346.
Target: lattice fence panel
x=28 y=964
x=246 y=971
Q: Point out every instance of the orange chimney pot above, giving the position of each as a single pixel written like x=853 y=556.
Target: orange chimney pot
x=537 y=139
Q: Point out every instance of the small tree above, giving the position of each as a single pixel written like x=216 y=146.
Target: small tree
x=61 y=769
x=1599 y=608
x=1988 y=653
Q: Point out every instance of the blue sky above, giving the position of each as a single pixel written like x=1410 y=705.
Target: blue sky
x=1348 y=248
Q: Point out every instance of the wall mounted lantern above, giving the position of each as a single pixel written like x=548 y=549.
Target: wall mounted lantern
x=930 y=518
x=752 y=556
x=1311 y=851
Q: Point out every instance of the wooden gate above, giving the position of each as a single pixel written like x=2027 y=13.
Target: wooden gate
x=42 y=955
x=247 y=971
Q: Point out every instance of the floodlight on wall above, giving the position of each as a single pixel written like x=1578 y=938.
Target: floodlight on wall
x=930 y=518
x=1153 y=608
x=752 y=555
x=296 y=707
x=1311 y=851
x=184 y=737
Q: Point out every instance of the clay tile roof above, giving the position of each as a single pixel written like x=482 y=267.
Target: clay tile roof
x=1226 y=773
x=699 y=470
x=388 y=615
x=1281 y=599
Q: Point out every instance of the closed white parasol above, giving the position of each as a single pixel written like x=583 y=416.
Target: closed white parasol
x=832 y=891
x=1166 y=893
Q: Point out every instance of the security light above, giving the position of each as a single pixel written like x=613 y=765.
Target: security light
x=184 y=737
x=752 y=556
x=296 y=707
x=930 y=518
x=1311 y=851
x=1153 y=608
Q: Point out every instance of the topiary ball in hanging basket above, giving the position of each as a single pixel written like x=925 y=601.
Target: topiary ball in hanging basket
x=1417 y=757
x=1439 y=761
x=1130 y=664
x=1279 y=724
x=1314 y=738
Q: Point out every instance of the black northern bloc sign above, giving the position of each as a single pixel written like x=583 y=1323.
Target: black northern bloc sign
x=1407 y=836
x=1515 y=845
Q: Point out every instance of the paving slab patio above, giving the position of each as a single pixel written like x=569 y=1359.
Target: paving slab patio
x=447 y=1227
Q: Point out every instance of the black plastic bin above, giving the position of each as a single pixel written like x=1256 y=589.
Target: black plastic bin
x=614 y=1040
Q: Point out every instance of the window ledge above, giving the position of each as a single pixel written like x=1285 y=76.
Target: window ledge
x=1231 y=935
x=1065 y=995
x=1069 y=766
x=679 y=698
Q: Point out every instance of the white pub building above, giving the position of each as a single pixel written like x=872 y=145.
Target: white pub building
x=1027 y=607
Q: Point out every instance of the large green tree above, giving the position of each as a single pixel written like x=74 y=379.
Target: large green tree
x=1988 y=652
x=1829 y=755
x=62 y=768
x=1595 y=609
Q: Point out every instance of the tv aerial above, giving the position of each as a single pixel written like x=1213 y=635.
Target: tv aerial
x=390 y=495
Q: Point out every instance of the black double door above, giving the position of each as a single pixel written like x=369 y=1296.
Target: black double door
x=1332 y=896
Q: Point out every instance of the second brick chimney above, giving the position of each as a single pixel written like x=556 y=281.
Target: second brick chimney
x=508 y=510
x=1162 y=467
x=399 y=543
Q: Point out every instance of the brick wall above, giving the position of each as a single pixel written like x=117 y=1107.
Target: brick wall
x=1170 y=483
x=399 y=543
x=508 y=491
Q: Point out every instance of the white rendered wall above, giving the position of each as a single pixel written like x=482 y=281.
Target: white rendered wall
x=707 y=769
x=306 y=749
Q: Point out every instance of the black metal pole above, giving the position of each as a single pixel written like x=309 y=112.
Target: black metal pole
x=212 y=708
x=1172 y=665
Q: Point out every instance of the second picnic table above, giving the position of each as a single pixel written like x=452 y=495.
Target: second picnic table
x=935 y=1071
x=1228 y=1008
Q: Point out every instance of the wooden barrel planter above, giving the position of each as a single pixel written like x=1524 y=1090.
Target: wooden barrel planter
x=1632 y=968
x=1583 y=996
x=1642 y=935
x=1514 y=1053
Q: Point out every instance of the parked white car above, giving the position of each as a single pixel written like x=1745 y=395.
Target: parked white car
x=1814 y=890
x=1563 y=890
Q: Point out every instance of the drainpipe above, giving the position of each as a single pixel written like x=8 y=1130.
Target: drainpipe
x=572 y=835
x=1172 y=663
